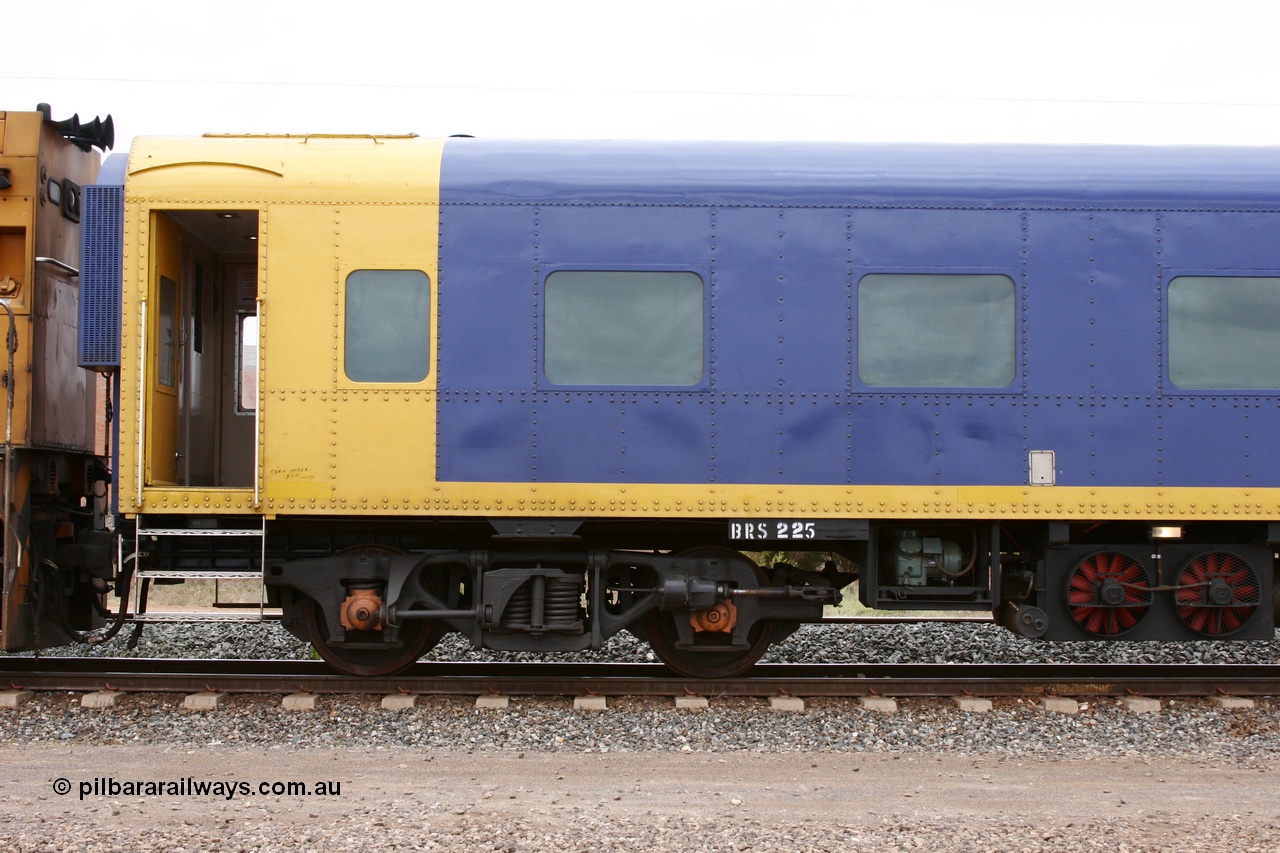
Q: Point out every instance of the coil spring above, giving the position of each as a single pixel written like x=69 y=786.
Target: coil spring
x=561 y=606
x=562 y=603
x=519 y=611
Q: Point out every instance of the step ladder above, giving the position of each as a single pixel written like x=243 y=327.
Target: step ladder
x=247 y=582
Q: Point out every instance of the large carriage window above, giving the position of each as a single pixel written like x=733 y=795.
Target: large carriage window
x=388 y=326
x=937 y=331
x=624 y=328
x=1223 y=332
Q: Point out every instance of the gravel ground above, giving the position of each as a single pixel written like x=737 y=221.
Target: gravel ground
x=1184 y=740
x=921 y=642
x=1190 y=728
x=428 y=800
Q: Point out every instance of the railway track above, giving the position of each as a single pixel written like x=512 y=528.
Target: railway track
x=605 y=679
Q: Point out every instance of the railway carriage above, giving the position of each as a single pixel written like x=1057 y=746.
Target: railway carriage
x=541 y=392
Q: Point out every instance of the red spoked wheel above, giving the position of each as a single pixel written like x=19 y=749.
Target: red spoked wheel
x=1109 y=593
x=1217 y=593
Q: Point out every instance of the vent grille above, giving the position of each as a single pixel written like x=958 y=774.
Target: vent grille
x=101 y=273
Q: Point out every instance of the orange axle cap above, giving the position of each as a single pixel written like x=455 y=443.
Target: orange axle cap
x=721 y=618
x=362 y=611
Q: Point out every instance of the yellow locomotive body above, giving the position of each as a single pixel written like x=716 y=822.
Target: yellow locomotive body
x=51 y=415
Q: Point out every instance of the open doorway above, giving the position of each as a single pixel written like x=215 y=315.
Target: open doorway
x=203 y=342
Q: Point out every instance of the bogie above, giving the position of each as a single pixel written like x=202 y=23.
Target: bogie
x=707 y=613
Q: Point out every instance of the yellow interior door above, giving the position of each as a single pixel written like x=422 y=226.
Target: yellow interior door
x=164 y=321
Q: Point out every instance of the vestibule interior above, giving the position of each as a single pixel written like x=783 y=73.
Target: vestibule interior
x=203 y=380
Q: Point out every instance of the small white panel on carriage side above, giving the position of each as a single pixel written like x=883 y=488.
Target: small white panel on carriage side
x=1043 y=467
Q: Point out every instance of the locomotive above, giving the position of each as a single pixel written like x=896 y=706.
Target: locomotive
x=55 y=442
x=540 y=392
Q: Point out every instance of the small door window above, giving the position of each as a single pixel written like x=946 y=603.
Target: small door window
x=247 y=363
x=167 y=349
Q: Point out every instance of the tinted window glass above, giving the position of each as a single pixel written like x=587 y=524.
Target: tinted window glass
x=624 y=328
x=388 y=326
x=937 y=331
x=1223 y=332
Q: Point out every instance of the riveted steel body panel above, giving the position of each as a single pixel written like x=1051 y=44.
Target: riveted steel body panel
x=787 y=232
x=780 y=236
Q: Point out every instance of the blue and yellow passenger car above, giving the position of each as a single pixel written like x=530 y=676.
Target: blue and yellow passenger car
x=541 y=392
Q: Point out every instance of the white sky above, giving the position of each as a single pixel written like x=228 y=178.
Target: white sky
x=1130 y=71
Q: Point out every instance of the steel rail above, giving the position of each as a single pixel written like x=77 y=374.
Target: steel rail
x=149 y=675
x=175 y=615
x=903 y=620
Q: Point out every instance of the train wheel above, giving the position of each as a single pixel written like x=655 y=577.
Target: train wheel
x=706 y=662
x=416 y=639
x=714 y=657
